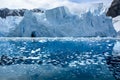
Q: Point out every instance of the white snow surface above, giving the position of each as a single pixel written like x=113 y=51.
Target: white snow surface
x=60 y=22
x=116 y=23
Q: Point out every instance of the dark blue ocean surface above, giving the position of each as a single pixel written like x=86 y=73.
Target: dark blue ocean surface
x=56 y=58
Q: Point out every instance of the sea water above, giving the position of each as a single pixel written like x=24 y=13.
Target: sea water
x=65 y=58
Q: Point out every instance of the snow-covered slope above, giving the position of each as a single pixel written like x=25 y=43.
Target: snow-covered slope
x=59 y=22
x=116 y=23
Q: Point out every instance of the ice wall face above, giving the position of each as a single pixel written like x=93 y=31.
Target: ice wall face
x=56 y=15
x=59 y=22
x=8 y=24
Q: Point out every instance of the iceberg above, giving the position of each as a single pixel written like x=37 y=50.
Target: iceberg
x=60 y=22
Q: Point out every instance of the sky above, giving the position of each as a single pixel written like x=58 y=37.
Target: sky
x=43 y=3
x=83 y=0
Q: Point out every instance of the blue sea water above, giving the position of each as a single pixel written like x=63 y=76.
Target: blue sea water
x=61 y=58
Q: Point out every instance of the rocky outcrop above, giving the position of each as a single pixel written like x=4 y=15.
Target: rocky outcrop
x=114 y=9
x=15 y=12
x=114 y=66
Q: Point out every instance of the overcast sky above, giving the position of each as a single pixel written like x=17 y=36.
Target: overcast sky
x=43 y=3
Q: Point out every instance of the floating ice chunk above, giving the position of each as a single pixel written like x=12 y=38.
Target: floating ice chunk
x=75 y=63
x=33 y=58
x=116 y=49
x=42 y=41
x=110 y=45
x=22 y=48
x=34 y=51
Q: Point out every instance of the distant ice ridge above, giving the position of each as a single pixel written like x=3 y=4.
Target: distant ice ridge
x=95 y=8
x=60 y=22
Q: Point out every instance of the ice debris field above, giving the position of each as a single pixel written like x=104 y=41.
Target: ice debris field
x=56 y=58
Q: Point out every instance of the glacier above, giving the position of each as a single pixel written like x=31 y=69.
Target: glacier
x=60 y=22
x=8 y=24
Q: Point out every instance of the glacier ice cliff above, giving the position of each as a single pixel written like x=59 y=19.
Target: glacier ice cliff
x=59 y=22
x=8 y=24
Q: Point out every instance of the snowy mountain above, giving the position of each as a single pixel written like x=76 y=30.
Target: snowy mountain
x=15 y=12
x=114 y=9
x=59 y=22
x=114 y=12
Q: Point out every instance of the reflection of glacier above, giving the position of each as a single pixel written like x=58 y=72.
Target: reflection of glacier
x=62 y=23
x=62 y=58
